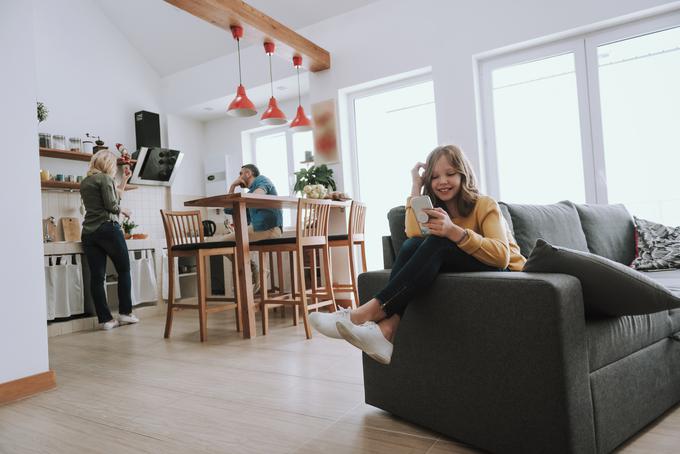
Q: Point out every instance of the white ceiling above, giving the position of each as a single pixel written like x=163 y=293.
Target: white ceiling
x=171 y=39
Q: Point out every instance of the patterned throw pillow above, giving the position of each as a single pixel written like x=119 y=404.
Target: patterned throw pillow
x=658 y=246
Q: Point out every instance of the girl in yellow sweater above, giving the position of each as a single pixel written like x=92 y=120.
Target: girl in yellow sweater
x=466 y=233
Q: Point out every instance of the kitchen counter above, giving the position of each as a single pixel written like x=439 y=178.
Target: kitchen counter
x=76 y=247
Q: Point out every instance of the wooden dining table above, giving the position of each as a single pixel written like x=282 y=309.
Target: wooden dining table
x=239 y=202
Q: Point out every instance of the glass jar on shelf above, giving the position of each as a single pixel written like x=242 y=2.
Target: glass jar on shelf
x=58 y=142
x=45 y=140
x=75 y=144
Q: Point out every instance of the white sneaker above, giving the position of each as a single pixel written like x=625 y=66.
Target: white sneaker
x=113 y=323
x=325 y=322
x=367 y=338
x=127 y=319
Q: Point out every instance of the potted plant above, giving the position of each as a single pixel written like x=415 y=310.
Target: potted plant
x=128 y=226
x=315 y=182
x=42 y=112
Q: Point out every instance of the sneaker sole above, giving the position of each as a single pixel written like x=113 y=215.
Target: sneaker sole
x=354 y=340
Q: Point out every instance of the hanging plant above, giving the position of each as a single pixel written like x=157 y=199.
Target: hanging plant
x=315 y=175
x=42 y=112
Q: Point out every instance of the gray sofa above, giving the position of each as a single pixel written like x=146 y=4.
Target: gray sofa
x=509 y=362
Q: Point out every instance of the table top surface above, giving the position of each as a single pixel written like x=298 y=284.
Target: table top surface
x=254 y=201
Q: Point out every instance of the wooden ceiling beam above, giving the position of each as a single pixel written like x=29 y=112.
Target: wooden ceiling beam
x=258 y=27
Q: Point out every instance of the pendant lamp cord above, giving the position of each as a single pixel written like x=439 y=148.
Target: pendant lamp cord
x=298 y=78
x=238 y=46
x=271 y=78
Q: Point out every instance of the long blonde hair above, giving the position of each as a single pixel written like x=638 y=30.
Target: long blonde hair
x=467 y=196
x=103 y=161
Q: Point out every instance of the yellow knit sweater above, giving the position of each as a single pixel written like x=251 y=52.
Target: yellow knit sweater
x=489 y=239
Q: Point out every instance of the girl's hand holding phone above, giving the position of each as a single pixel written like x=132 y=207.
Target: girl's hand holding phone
x=440 y=224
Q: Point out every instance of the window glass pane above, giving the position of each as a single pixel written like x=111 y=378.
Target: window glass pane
x=302 y=141
x=394 y=130
x=640 y=101
x=272 y=159
x=538 y=138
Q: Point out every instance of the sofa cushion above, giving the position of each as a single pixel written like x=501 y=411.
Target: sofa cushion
x=609 y=288
x=613 y=338
x=558 y=224
x=397 y=220
x=609 y=231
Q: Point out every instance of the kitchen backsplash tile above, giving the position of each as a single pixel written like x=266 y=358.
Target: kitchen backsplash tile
x=145 y=204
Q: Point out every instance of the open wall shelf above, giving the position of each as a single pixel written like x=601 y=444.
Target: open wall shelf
x=70 y=186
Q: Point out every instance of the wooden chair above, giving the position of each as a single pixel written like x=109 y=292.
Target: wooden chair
x=311 y=234
x=184 y=237
x=355 y=236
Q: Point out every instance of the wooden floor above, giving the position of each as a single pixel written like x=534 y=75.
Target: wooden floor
x=130 y=391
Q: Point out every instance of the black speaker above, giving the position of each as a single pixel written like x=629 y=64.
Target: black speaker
x=147 y=129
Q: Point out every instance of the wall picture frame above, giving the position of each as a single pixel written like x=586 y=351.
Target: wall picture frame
x=325 y=132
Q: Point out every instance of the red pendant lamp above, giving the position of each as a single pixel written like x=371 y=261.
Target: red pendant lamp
x=300 y=123
x=241 y=106
x=273 y=115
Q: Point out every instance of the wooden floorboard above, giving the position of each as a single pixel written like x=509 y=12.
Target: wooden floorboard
x=129 y=390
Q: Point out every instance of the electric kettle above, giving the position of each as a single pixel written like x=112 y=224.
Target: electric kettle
x=209 y=228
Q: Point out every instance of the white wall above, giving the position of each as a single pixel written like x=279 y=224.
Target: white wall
x=89 y=75
x=23 y=331
x=186 y=135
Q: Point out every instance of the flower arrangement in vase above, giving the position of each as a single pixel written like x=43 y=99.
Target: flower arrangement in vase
x=315 y=182
x=128 y=226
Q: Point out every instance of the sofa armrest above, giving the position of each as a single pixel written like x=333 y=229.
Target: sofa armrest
x=497 y=360
x=388 y=252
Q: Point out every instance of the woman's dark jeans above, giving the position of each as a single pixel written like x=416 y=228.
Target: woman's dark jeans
x=108 y=240
x=416 y=267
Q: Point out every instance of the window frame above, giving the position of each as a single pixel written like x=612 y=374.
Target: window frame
x=249 y=153
x=584 y=46
x=290 y=152
x=351 y=112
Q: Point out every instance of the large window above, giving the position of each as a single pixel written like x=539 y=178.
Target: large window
x=640 y=103
x=279 y=153
x=537 y=130
x=592 y=118
x=394 y=127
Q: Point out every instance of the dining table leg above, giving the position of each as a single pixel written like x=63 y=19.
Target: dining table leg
x=246 y=296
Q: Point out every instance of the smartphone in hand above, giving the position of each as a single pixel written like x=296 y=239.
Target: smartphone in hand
x=418 y=204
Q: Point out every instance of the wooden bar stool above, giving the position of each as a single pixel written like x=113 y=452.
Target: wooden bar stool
x=355 y=236
x=184 y=237
x=311 y=233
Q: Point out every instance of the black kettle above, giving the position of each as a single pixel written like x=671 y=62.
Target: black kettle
x=209 y=228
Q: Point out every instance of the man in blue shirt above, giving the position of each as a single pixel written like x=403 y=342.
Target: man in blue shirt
x=264 y=223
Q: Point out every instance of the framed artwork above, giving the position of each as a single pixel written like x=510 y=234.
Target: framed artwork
x=325 y=132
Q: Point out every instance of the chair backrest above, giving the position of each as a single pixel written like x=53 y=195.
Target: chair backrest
x=357 y=221
x=312 y=221
x=182 y=227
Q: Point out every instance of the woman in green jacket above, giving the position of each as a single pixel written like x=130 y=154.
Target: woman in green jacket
x=103 y=237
